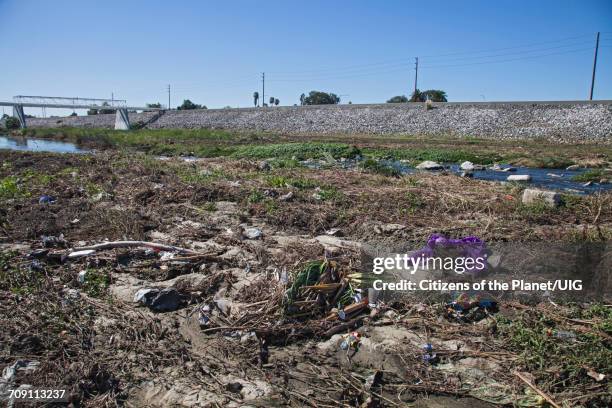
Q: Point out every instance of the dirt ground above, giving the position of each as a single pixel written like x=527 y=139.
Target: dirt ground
x=245 y=231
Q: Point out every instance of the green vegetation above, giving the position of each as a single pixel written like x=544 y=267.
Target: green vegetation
x=374 y=166
x=415 y=156
x=12 y=123
x=533 y=335
x=398 y=99
x=320 y=98
x=17 y=279
x=10 y=187
x=434 y=95
x=96 y=282
x=188 y=105
x=590 y=175
x=300 y=151
x=285 y=150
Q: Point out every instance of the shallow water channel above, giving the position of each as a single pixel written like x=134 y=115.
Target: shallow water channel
x=38 y=145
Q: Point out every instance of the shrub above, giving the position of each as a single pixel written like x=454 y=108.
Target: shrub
x=12 y=123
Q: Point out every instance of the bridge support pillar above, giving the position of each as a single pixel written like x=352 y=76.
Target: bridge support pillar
x=18 y=113
x=122 y=120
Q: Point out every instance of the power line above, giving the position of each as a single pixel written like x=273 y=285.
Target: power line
x=407 y=61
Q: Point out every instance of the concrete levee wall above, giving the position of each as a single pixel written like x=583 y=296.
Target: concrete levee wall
x=562 y=121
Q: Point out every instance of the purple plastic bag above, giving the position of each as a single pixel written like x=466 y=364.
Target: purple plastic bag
x=467 y=247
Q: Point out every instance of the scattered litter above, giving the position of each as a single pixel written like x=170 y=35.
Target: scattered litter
x=72 y=294
x=46 y=199
x=82 y=277
x=562 y=334
x=251 y=233
x=471 y=308
x=351 y=341
x=549 y=198
x=204 y=318
x=467 y=247
x=81 y=254
x=263 y=166
x=165 y=300
x=166 y=256
x=286 y=197
x=595 y=375
x=50 y=241
x=429 y=356
x=335 y=232
x=374 y=380
x=519 y=177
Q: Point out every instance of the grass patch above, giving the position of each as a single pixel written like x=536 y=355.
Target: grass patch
x=299 y=183
x=532 y=334
x=297 y=151
x=96 y=283
x=590 y=175
x=10 y=187
x=415 y=156
x=17 y=279
x=374 y=166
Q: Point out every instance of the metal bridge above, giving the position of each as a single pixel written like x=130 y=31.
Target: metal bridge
x=122 y=120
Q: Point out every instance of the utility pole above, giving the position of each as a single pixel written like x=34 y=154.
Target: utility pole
x=594 y=67
x=263 y=88
x=169 y=97
x=416 y=72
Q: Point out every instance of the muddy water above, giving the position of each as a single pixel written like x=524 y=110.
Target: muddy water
x=38 y=145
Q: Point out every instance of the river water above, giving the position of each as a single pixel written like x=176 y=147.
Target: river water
x=38 y=145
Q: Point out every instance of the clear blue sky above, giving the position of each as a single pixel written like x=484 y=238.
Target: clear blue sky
x=214 y=52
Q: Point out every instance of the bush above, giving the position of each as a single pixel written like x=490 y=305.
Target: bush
x=398 y=99
x=12 y=123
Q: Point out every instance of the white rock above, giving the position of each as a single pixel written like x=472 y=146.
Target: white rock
x=573 y=167
x=519 y=177
x=429 y=165
x=550 y=198
x=467 y=165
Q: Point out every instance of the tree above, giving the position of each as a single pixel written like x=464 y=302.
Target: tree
x=321 y=98
x=154 y=105
x=73 y=114
x=271 y=100
x=105 y=111
x=256 y=98
x=416 y=96
x=398 y=99
x=12 y=123
x=188 y=105
x=302 y=99
x=434 y=95
x=276 y=101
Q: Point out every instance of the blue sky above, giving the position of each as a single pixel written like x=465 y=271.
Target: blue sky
x=214 y=52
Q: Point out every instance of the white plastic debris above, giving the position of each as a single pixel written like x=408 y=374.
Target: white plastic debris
x=519 y=177
x=252 y=233
x=81 y=254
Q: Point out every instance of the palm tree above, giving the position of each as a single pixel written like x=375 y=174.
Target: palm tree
x=276 y=101
x=271 y=100
x=255 y=98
